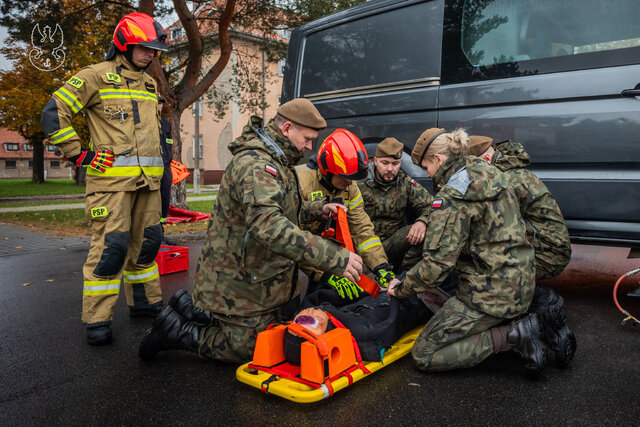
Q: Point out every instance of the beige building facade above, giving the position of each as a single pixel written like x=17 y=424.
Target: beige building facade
x=216 y=133
x=16 y=158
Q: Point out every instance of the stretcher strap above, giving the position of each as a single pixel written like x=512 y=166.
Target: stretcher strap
x=344 y=235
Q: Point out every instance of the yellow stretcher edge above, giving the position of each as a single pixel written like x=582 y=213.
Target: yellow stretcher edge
x=302 y=393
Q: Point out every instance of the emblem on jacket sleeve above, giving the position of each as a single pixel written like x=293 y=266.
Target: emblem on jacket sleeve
x=273 y=171
x=437 y=203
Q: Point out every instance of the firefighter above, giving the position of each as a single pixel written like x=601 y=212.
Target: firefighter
x=124 y=168
x=330 y=176
x=546 y=231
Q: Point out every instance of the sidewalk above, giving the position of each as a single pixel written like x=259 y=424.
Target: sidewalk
x=204 y=189
x=80 y=205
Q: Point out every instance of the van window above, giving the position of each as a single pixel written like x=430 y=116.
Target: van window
x=505 y=38
x=373 y=50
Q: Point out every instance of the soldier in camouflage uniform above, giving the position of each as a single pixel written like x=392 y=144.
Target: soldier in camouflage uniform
x=546 y=231
x=390 y=198
x=248 y=265
x=475 y=230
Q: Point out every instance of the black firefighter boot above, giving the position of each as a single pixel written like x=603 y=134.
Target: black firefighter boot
x=169 y=332
x=182 y=303
x=525 y=337
x=548 y=305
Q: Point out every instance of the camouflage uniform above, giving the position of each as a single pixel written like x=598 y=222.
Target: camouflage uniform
x=546 y=229
x=389 y=205
x=476 y=230
x=247 y=268
x=365 y=241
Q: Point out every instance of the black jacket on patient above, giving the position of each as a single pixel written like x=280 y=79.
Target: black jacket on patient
x=375 y=323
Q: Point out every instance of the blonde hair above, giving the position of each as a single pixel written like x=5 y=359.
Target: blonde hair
x=452 y=143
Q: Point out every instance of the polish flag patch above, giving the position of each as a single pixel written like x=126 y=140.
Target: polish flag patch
x=413 y=181
x=436 y=203
x=271 y=170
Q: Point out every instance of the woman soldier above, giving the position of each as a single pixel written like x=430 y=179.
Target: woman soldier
x=475 y=230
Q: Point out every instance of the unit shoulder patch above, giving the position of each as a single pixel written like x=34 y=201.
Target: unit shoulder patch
x=112 y=77
x=315 y=195
x=273 y=171
x=75 y=82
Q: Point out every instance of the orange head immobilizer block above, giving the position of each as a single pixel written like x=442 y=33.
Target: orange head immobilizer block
x=338 y=356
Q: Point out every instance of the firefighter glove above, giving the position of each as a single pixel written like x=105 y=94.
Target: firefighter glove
x=344 y=287
x=384 y=275
x=97 y=160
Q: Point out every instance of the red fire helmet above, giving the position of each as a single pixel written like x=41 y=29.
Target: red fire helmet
x=343 y=154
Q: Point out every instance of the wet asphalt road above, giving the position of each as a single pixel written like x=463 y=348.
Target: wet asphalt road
x=49 y=375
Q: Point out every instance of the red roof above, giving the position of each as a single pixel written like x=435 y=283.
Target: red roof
x=9 y=136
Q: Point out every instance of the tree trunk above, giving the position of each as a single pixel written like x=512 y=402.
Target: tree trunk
x=38 y=161
x=81 y=175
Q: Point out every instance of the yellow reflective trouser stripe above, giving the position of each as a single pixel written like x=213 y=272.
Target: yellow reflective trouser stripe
x=68 y=97
x=101 y=287
x=128 y=171
x=355 y=202
x=62 y=135
x=141 y=275
x=368 y=244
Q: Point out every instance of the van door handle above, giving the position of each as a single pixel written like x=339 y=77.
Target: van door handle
x=631 y=92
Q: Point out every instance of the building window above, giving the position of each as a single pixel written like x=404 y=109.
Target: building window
x=281 y=64
x=51 y=148
x=55 y=164
x=9 y=164
x=177 y=33
x=30 y=164
x=27 y=147
x=11 y=146
x=193 y=147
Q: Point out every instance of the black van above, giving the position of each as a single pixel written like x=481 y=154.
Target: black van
x=560 y=76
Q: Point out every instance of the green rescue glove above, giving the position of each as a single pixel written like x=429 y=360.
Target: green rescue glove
x=384 y=275
x=344 y=287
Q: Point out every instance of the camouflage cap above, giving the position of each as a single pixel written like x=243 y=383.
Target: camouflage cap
x=302 y=112
x=423 y=143
x=479 y=144
x=390 y=147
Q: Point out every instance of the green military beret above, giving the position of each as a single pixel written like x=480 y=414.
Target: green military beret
x=302 y=112
x=479 y=144
x=390 y=147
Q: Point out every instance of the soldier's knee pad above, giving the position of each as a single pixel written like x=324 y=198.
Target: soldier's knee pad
x=113 y=255
x=151 y=244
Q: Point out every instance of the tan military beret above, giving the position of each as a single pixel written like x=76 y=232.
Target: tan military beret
x=302 y=112
x=423 y=143
x=479 y=144
x=390 y=147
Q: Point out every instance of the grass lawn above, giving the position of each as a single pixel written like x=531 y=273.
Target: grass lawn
x=24 y=187
x=71 y=222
